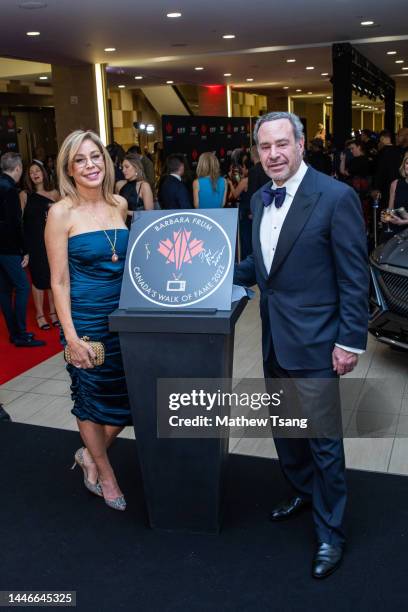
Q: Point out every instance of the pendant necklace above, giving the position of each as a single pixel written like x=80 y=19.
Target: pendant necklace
x=115 y=256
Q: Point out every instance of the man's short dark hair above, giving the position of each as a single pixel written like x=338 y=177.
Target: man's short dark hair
x=10 y=161
x=174 y=162
x=386 y=134
x=134 y=149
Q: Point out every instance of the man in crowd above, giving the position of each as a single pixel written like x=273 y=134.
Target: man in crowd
x=172 y=191
x=310 y=262
x=13 y=260
x=387 y=168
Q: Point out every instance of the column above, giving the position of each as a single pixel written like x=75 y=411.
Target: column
x=75 y=99
x=405 y=114
x=389 y=105
x=342 y=64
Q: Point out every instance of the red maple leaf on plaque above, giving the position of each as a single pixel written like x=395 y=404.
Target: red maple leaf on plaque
x=181 y=249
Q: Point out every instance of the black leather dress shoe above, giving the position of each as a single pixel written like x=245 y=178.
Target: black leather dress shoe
x=289 y=508
x=326 y=560
x=4 y=416
x=27 y=341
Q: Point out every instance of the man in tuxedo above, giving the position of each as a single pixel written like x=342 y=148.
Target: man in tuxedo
x=310 y=262
x=173 y=193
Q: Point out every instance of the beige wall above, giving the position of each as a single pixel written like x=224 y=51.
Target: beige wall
x=312 y=112
x=74 y=99
x=128 y=106
x=247 y=104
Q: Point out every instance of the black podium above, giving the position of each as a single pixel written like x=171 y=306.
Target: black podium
x=183 y=478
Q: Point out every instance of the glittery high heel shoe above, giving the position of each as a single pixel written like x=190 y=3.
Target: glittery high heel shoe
x=118 y=503
x=96 y=489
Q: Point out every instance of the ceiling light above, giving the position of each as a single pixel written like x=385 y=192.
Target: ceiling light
x=110 y=49
x=399 y=61
x=309 y=67
x=199 y=68
x=227 y=74
x=32 y=33
x=298 y=90
x=310 y=93
x=405 y=67
x=228 y=36
x=249 y=79
x=391 y=53
x=328 y=97
x=43 y=78
x=142 y=126
x=324 y=74
x=32 y=4
x=138 y=77
x=150 y=128
x=169 y=82
x=290 y=61
x=173 y=15
x=121 y=86
x=366 y=23
x=286 y=88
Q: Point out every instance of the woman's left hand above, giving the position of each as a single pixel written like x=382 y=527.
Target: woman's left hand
x=395 y=220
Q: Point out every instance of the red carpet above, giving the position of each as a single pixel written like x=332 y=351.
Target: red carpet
x=15 y=361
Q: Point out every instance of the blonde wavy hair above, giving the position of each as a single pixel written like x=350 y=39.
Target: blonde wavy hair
x=66 y=155
x=402 y=166
x=208 y=165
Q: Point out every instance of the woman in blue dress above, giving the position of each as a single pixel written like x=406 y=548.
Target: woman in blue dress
x=86 y=239
x=209 y=188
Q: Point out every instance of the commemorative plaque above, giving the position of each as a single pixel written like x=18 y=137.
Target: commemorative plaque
x=180 y=260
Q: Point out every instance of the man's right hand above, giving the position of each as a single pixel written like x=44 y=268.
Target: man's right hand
x=24 y=261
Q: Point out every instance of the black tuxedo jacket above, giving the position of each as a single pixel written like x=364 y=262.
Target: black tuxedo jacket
x=316 y=293
x=173 y=194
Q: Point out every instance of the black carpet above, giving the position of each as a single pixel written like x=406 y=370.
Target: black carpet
x=54 y=535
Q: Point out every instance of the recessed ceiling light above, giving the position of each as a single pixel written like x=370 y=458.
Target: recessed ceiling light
x=291 y=60
x=309 y=67
x=367 y=23
x=138 y=77
x=227 y=74
x=399 y=61
x=228 y=36
x=43 y=78
x=391 y=53
x=199 y=68
x=310 y=93
x=298 y=90
x=32 y=33
x=121 y=86
x=249 y=79
x=110 y=49
x=32 y=4
x=173 y=15
x=405 y=67
x=324 y=74
x=286 y=88
x=169 y=82
x=328 y=97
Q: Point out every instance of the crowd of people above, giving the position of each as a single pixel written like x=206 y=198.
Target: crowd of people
x=73 y=236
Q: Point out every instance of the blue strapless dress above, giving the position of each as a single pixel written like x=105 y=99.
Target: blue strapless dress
x=100 y=393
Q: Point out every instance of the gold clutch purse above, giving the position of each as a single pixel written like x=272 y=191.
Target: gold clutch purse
x=97 y=347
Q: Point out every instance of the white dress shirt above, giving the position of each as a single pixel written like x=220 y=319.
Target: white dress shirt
x=272 y=221
x=177 y=176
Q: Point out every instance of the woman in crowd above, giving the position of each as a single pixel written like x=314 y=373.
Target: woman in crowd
x=209 y=188
x=135 y=189
x=356 y=172
x=36 y=200
x=86 y=238
x=241 y=194
x=399 y=199
x=50 y=168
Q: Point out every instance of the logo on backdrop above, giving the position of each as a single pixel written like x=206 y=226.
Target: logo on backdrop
x=180 y=259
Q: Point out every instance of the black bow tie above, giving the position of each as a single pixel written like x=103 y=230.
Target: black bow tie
x=278 y=195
